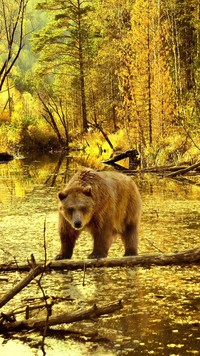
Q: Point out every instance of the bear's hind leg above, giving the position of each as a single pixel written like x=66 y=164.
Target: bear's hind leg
x=68 y=237
x=130 y=239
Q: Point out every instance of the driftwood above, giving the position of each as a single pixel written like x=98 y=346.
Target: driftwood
x=179 y=258
x=65 y=318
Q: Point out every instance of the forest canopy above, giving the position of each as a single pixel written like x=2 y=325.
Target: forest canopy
x=128 y=71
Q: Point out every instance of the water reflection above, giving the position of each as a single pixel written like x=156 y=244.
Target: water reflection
x=161 y=304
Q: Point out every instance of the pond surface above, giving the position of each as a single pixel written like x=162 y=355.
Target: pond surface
x=161 y=313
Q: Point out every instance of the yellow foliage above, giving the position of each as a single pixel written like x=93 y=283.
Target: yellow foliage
x=172 y=149
x=145 y=78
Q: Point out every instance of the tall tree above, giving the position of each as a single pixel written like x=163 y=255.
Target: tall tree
x=64 y=45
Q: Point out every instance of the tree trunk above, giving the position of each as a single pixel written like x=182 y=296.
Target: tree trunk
x=149 y=82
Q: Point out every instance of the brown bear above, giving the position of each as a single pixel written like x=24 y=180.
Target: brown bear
x=103 y=203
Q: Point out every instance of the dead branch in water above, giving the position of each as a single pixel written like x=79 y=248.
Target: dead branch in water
x=65 y=318
x=165 y=171
x=161 y=259
x=32 y=274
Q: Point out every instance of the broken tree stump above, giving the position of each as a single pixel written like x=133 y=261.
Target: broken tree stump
x=133 y=156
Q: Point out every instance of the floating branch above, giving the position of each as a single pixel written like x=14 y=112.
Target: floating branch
x=65 y=318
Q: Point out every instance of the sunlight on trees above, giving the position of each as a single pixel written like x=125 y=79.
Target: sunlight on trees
x=146 y=84
x=127 y=71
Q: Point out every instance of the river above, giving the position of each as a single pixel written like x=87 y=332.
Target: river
x=161 y=305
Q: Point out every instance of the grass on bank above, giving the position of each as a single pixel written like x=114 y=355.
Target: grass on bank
x=29 y=136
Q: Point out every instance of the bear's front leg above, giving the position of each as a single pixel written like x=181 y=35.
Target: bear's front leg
x=68 y=237
x=102 y=241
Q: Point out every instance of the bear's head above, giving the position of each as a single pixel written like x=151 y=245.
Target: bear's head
x=77 y=206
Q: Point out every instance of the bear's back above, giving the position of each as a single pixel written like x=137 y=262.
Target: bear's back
x=113 y=187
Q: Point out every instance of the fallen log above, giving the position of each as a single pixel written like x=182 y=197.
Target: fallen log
x=178 y=258
x=166 y=171
x=160 y=170
x=64 y=318
x=183 y=170
x=184 y=257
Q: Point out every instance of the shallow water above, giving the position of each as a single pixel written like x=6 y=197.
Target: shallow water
x=161 y=312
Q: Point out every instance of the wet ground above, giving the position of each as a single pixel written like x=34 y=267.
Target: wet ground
x=161 y=313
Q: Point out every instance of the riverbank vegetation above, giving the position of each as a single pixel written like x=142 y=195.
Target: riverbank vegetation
x=101 y=76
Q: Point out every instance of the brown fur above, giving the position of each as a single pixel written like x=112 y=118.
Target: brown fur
x=104 y=203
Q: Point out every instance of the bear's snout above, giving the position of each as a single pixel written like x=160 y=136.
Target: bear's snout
x=77 y=224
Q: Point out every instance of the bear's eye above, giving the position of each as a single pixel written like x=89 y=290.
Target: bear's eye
x=70 y=210
x=84 y=209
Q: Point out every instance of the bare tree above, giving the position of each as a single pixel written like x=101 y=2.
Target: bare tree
x=12 y=16
x=54 y=114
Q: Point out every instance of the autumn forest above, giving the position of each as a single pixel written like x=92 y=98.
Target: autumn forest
x=101 y=74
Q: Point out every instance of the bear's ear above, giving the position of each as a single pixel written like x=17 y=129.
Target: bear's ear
x=88 y=190
x=62 y=196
